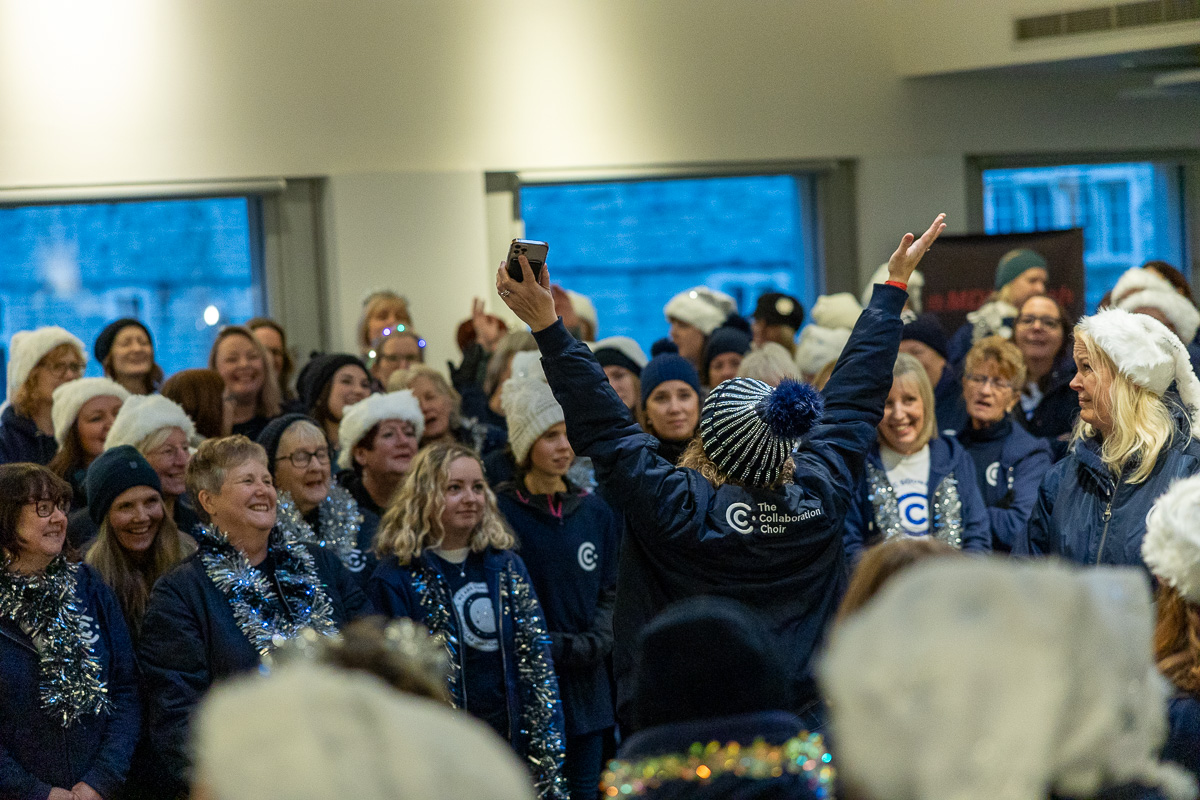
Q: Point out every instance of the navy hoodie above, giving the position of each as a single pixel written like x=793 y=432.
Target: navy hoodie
x=36 y=751
x=778 y=551
x=20 y=440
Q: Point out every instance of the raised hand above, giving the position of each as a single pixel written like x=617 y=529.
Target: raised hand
x=488 y=329
x=530 y=299
x=911 y=250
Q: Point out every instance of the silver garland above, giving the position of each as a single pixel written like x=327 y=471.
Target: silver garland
x=339 y=520
x=261 y=614
x=945 y=513
x=46 y=607
x=537 y=684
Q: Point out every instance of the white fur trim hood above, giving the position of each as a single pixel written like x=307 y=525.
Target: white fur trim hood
x=1171 y=547
x=701 y=307
x=73 y=395
x=142 y=415
x=365 y=414
x=1135 y=280
x=26 y=349
x=1184 y=317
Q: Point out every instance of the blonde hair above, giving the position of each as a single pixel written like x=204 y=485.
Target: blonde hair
x=1004 y=353
x=695 y=458
x=769 y=363
x=215 y=457
x=403 y=379
x=1142 y=424
x=413 y=522
x=907 y=366
x=270 y=396
x=374 y=302
x=25 y=402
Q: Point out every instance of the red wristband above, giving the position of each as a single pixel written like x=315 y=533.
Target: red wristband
x=898 y=285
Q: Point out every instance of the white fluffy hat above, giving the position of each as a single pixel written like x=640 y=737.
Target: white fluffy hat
x=955 y=683
x=72 y=395
x=310 y=732
x=27 y=348
x=701 y=307
x=916 y=283
x=366 y=414
x=818 y=346
x=1183 y=316
x=1147 y=353
x=1137 y=279
x=624 y=345
x=839 y=310
x=530 y=410
x=1171 y=547
x=142 y=415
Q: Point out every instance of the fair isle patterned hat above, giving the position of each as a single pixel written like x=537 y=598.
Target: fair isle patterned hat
x=749 y=429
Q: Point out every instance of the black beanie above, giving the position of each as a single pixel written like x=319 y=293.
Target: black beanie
x=775 y=308
x=270 y=436
x=318 y=372
x=104 y=341
x=928 y=331
x=726 y=340
x=707 y=657
x=114 y=471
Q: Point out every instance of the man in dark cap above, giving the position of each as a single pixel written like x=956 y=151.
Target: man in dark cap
x=777 y=317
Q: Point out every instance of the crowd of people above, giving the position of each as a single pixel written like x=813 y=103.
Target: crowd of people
x=755 y=563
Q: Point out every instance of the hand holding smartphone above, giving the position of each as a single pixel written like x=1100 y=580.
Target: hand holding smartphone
x=533 y=250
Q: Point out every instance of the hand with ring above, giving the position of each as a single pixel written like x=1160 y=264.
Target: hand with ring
x=530 y=298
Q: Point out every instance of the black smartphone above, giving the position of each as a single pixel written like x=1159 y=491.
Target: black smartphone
x=533 y=250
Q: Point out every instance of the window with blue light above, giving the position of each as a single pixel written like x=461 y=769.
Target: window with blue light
x=1130 y=213
x=183 y=267
x=631 y=245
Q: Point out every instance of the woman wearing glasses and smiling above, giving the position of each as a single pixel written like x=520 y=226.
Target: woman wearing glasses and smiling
x=39 y=361
x=1009 y=461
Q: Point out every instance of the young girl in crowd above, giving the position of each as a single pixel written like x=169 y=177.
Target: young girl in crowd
x=249 y=378
x=39 y=361
x=916 y=482
x=568 y=540
x=446 y=560
x=330 y=383
x=379 y=438
x=84 y=411
x=670 y=404
x=125 y=350
x=623 y=361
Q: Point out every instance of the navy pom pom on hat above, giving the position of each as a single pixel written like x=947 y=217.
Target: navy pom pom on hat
x=749 y=429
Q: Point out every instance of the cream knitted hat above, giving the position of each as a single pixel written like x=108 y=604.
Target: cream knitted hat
x=143 y=414
x=839 y=310
x=529 y=406
x=701 y=307
x=366 y=414
x=27 y=348
x=71 y=397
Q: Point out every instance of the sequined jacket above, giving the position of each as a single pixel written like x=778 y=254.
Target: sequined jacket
x=36 y=751
x=957 y=514
x=420 y=592
x=778 y=551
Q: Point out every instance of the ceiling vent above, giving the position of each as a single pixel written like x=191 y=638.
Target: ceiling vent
x=1116 y=17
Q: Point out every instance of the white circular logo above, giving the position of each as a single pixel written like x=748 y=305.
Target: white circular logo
x=738 y=517
x=914 y=511
x=476 y=616
x=993 y=473
x=87 y=630
x=355 y=560
x=587 y=556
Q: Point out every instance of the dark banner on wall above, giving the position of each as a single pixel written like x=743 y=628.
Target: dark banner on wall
x=960 y=271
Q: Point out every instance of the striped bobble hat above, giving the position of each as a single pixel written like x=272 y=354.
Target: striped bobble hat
x=749 y=429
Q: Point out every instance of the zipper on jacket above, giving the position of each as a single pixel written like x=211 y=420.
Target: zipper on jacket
x=1107 y=518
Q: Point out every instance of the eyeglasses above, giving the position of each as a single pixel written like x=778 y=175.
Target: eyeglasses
x=302 y=458
x=61 y=369
x=983 y=380
x=45 y=508
x=1046 y=322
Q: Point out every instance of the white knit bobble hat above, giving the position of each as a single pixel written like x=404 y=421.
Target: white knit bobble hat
x=839 y=310
x=818 y=346
x=366 y=414
x=27 y=348
x=72 y=395
x=142 y=415
x=1147 y=353
x=529 y=406
x=309 y=732
x=954 y=683
x=1171 y=547
x=1184 y=317
x=700 y=307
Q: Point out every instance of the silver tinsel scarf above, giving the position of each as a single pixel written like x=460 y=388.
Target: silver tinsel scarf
x=537 y=684
x=945 y=512
x=46 y=605
x=260 y=613
x=339 y=523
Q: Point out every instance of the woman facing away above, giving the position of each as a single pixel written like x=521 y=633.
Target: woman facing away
x=743 y=517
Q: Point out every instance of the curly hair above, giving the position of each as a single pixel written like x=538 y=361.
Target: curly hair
x=413 y=522
x=1177 y=639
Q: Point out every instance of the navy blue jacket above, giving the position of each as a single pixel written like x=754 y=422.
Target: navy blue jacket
x=190 y=640
x=20 y=440
x=1084 y=514
x=36 y=752
x=947 y=458
x=393 y=592
x=949 y=406
x=1183 y=739
x=778 y=551
x=1013 y=462
x=569 y=545
x=1055 y=415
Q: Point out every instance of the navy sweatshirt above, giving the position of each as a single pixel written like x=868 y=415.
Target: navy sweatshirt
x=20 y=440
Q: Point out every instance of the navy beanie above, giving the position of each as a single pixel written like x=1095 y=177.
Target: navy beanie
x=114 y=471
x=318 y=372
x=668 y=367
x=928 y=331
x=663 y=345
x=104 y=341
x=707 y=657
x=726 y=340
x=270 y=436
x=1014 y=262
